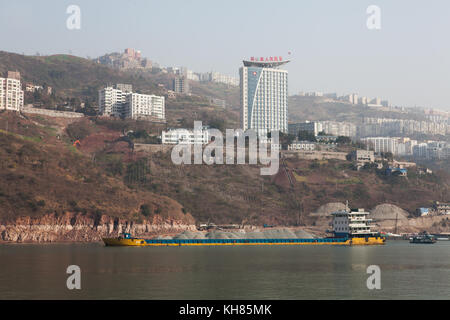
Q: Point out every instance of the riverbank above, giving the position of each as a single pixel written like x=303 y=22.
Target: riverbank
x=72 y=227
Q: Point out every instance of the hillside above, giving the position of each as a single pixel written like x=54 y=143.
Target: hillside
x=45 y=178
x=223 y=193
x=80 y=79
x=42 y=173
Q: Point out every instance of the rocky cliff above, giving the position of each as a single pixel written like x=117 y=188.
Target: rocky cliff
x=82 y=228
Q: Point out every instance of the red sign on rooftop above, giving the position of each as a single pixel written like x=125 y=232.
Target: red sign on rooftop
x=266 y=59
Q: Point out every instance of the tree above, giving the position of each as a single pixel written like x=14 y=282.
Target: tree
x=286 y=139
x=306 y=136
x=343 y=140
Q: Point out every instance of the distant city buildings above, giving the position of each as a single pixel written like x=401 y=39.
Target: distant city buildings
x=264 y=89
x=11 y=93
x=393 y=127
x=202 y=77
x=129 y=59
x=219 y=78
x=410 y=148
x=338 y=129
x=352 y=99
x=432 y=150
x=333 y=128
x=124 y=103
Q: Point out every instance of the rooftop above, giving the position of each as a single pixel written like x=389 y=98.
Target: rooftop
x=268 y=63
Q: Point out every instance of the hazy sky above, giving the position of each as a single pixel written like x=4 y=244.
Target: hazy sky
x=406 y=62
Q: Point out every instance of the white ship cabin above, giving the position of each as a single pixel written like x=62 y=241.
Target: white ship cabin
x=351 y=223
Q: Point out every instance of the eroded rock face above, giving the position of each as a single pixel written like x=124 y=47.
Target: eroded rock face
x=78 y=227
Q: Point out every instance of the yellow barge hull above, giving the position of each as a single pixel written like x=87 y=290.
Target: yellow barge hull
x=138 y=242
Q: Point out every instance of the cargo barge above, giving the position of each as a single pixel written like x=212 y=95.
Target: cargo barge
x=350 y=227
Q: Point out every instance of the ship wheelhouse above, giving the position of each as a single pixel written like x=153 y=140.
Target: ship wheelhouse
x=352 y=223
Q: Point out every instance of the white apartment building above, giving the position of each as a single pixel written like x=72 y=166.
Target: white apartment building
x=264 y=90
x=143 y=106
x=11 y=94
x=337 y=129
x=383 y=144
x=126 y=104
x=111 y=101
x=432 y=150
x=185 y=136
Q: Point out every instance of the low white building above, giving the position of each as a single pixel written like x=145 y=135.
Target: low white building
x=185 y=136
x=302 y=145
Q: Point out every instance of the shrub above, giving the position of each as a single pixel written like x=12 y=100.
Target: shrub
x=145 y=210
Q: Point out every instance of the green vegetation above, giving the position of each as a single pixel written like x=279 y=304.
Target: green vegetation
x=306 y=136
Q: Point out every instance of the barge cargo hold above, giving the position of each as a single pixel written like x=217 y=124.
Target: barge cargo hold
x=127 y=240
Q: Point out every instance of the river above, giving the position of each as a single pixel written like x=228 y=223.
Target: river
x=408 y=271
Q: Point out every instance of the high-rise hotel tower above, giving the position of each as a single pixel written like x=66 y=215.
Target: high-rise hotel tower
x=264 y=89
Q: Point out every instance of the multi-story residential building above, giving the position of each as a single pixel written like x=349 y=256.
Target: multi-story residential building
x=126 y=104
x=111 y=101
x=335 y=128
x=390 y=127
x=264 y=90
x=405 y=146
x=181 y=85
x=143 y=106
x=420 y=150
x=312 y=127
x=185 y=136
x=383 y=144
x=11 y=93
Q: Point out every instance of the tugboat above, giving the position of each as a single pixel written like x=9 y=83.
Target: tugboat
x=423 y=237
